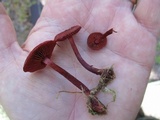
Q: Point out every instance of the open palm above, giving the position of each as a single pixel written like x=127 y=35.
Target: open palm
x=131 y=51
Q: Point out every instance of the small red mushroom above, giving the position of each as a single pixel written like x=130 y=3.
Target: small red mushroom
x=40 y=56
x=97 y=40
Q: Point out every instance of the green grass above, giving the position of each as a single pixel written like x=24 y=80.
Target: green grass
x=3 y=115
x=157 y=59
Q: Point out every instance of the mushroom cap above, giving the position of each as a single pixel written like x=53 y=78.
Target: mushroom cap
x=95 y=41
x=67 y=33
x=35 y=59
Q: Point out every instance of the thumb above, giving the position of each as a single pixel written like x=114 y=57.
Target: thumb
x=148 y=14
x=9 y=47
x=7 y=32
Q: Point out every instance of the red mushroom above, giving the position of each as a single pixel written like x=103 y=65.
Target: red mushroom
x=40 y=56
x=97 y=40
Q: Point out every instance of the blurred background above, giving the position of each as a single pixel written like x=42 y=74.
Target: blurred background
x=24 y=14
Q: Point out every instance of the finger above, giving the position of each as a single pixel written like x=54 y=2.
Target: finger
x=147 y=13
x=7 y=32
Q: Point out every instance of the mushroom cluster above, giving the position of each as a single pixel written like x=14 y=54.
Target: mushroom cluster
x=40 y=56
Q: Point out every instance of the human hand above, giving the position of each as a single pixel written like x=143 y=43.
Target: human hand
x=131 y=50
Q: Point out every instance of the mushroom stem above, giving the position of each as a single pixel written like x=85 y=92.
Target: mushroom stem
x=68 y=76
x=81 y=60
x=108 y=33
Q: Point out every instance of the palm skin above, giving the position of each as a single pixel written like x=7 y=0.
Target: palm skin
x=131 y=51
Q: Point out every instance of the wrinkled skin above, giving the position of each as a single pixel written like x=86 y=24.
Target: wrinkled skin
x=131 y=51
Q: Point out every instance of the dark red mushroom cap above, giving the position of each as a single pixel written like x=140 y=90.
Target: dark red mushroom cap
x=95 y=41
x=36 y=57
x=67 y=33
